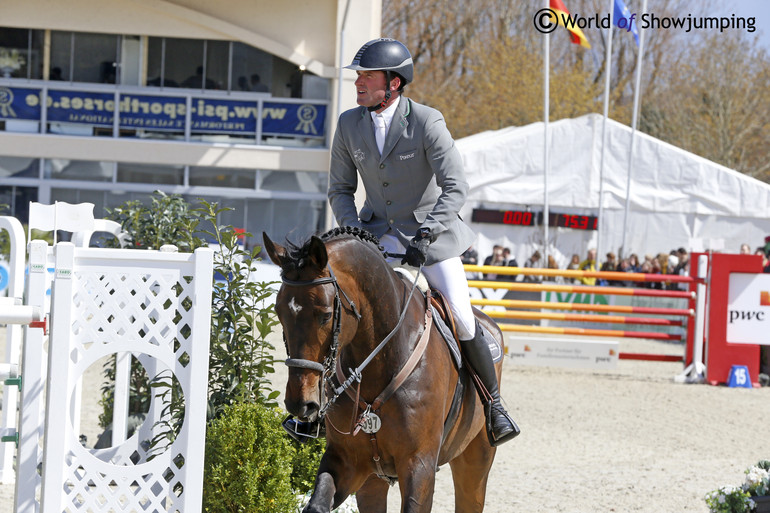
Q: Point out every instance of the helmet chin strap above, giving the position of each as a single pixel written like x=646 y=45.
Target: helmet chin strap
x=388 y=94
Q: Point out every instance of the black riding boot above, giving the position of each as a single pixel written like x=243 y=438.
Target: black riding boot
x=500 y=426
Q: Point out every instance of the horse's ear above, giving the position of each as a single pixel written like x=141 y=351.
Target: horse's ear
x=317 y=252
x=276 y=252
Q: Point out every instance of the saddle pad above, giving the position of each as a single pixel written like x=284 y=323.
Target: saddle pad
x=451 y=343
x=494 y=345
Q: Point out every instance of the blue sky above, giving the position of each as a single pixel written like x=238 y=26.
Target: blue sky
x=760 y=9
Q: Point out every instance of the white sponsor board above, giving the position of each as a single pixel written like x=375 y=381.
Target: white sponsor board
x=552 y=352
x=748 y=309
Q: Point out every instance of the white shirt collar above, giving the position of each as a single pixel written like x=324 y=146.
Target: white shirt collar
x=389 y=112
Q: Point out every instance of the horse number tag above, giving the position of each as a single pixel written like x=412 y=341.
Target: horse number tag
x=370 y=423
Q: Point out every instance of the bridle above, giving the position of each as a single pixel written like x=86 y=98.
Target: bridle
x=327 y=368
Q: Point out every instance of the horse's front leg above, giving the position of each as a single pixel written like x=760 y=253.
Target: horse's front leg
x=323 y=494
x=417 y=480
x=333 y=483
x=372 y=497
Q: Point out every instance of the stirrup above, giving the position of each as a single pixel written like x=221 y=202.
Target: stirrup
x=301 y=431
x=489 y=408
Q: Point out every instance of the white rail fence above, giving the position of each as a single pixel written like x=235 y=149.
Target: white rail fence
x=152 y=306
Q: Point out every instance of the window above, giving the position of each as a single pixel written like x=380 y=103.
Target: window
x=222 y=177
x=62 y=169
x=21 y=51
x=84 y=57
x=150 y=173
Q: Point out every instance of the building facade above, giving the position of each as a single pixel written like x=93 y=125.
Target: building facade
x=236 y=102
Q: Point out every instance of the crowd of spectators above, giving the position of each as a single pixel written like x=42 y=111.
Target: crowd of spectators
x=675 y=262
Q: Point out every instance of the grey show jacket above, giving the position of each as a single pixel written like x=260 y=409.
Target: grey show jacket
x=417 y=182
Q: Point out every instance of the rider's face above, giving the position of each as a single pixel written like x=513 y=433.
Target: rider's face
x=370 y=88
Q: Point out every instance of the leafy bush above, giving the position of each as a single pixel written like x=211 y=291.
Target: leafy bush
x=307 y=457
x=240 y=360
x=248 y=462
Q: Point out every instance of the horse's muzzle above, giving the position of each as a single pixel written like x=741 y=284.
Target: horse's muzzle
x=305 y=411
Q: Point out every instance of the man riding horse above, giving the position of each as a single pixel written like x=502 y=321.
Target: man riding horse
x=415 y=187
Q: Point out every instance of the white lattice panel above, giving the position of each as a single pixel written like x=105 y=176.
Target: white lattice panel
x=157 y=307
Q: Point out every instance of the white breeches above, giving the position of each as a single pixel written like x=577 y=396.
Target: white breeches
x=448 y=277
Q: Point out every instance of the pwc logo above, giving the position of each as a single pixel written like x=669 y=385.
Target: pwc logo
x=751 y=315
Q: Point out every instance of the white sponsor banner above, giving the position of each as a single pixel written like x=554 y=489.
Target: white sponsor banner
x=748 y=309
x=571 y=353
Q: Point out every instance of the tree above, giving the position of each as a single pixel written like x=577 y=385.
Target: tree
x=482 y=67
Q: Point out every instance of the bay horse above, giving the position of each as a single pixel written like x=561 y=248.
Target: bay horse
x=338 y=302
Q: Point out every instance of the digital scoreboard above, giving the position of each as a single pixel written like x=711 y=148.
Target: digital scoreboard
x=526 y=218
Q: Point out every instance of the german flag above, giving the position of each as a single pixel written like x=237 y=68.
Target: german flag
x=575 y=34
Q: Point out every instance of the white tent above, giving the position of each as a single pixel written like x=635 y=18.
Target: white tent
x=677 y=198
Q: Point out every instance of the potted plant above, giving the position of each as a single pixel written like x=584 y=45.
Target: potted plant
x=752 y=497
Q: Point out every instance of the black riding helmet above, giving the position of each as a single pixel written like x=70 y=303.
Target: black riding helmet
x=386 y=55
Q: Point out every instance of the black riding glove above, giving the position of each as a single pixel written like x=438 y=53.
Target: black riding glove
x=417 y=251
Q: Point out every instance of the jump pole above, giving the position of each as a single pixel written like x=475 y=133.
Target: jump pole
x=585 y=289
x=521 y=303
x=611 y=319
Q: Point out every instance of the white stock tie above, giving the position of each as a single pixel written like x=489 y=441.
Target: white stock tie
x=379 y=131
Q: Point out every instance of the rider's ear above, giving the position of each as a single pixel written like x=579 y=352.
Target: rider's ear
x=276 y=252
x=317 y=252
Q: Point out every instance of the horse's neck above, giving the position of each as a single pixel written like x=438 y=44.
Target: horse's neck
x=380 y=309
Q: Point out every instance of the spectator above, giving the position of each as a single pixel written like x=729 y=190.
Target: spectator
x=765 y=262
x=682 y=268
x=633 y=264
x=470 y=257
x=625 y=267
x=610 y=264
x=533 y=262
x=509 y=262
x=553 y=265
x=257 y=85
x=197 y=81
x=496 y=258
x=574 y=265
x=589 y=264
x=745 y=249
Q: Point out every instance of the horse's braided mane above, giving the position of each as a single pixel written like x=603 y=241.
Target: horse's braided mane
x=299 y=253
x=351 y=230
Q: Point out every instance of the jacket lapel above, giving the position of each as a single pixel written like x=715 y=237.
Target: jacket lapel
x=365 y=128
x=397 y=127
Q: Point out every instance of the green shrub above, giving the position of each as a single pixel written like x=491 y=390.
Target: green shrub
x=248 y=462
x=307 y=457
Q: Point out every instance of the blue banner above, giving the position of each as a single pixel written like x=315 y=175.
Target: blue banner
x=165 y=113
x=82 y=107
x=19 y=103
x=299 y=119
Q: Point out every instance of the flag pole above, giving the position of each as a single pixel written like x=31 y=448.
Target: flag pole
x=634 y=116
x=607 y=72
x=546 y=143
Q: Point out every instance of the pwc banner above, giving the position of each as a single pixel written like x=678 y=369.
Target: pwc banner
x=165 y=112
x=748 y=309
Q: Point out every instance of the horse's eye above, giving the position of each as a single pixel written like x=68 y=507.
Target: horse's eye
x=324 y=317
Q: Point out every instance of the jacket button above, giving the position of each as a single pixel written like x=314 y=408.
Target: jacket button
x=385 y=184
x=388 y=202
x=382 y=166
